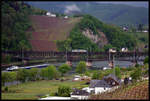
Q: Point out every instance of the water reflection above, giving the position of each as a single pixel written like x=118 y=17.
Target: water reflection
x=99 y=64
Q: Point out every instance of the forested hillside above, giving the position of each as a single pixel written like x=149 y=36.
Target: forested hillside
x=116 y=37
x=27 y=28
x=15 y=23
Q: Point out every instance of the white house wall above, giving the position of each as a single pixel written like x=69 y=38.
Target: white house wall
x=88 y=89
x=101 y=89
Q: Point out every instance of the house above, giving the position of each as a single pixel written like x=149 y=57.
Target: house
x=77 y=78
x=124 y=50
x=125 y=28
x=112 y=80
x=86 y=78
x=79 y=94
x=50 y=14
x=66 y=17
x=53 y=15
x=108 y=83
x=112 y=50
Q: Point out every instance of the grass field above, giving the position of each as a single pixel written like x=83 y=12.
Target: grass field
x=32 y=90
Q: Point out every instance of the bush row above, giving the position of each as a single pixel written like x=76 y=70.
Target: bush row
x=32 y=74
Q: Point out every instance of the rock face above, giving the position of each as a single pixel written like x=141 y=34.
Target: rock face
x=100 y=39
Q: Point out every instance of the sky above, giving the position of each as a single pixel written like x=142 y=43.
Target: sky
x=135 y=3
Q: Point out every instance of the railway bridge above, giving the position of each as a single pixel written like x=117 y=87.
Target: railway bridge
x=77 y=56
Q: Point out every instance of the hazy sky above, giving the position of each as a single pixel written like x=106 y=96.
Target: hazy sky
x=138 y=4
x=131 y=3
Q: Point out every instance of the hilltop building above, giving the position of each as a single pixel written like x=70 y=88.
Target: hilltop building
x=66 y=17
x=50 y=14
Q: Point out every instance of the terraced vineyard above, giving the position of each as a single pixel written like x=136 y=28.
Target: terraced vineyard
x=139 y=91
x=45 y=30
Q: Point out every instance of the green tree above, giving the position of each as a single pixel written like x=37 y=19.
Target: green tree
x=146 y=60
x=136 y=74
x=33 y=74
x=23 y=46
x=87 y=73
x=81 y=67
x=96 y=75
x=140 y=27
x=23 y=75
x=64 y=68
x=107 y=47
x=117 y=72
x=49 y=72
x=64 y=91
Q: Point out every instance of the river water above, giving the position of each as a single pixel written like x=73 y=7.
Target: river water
x=99 y=64
x=96 y=64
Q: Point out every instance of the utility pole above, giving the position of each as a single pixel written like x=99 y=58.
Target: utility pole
x=87 y=55
x=113 y=64
x=109 y=55
x=66 y=54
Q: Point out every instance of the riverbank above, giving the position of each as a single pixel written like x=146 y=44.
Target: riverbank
x=37 y=89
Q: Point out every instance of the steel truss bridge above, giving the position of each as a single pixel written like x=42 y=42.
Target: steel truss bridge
x=77 y=56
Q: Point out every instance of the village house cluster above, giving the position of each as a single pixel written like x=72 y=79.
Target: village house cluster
x=108 y=83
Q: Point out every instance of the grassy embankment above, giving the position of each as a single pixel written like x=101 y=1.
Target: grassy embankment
x=36 y=89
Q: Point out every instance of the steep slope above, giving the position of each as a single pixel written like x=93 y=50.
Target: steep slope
x=46 y=30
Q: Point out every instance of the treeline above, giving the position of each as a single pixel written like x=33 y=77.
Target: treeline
x=15 y=23
x=116 y=37
x=77 y=40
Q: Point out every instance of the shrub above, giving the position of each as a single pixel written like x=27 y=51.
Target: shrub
x=64 y=68
x=146 y=60
x=137 y=65
x=107 y=72
x=81 y=67
x=117 y=72
x=49 y=72
x=6 y=89
x=87 y=73
x=4 y=77
x=64 y=91
x=43 y=73
x=8 y=77
x=136 y=74
x=96 y=75
x=33 y=74
x=23 y=75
